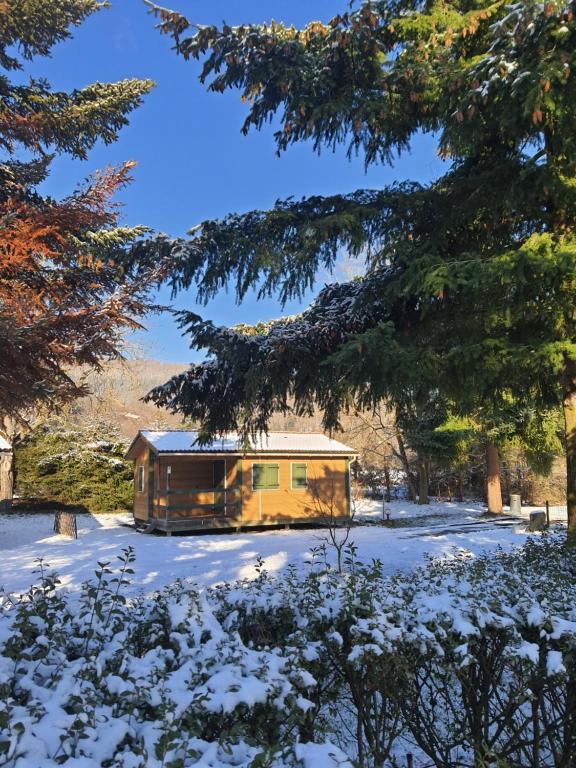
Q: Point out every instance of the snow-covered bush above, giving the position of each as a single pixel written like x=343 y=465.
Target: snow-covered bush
x=496 y=680
x=76 y=465
x=97 y=681
x=469 y=662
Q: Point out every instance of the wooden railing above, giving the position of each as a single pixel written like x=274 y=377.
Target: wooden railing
x=220 y=506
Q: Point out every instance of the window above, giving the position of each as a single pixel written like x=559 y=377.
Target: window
x=265 y=477
x=168 y=477
x=141 y=479
x=299 y=477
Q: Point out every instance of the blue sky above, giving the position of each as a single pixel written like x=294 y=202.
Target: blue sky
x=193 y=162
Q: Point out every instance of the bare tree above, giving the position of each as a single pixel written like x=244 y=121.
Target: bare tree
x=327 y=506
x=379 y=438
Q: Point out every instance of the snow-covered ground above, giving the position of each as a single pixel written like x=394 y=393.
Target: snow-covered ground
x=437 y=529
x=403 y=510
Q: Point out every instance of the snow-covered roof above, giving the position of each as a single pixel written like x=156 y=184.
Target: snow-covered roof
x=275 y=442
x=4 y=444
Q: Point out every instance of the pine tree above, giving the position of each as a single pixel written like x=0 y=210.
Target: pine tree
x=470 y=280
x=78 y=465
x=67 y=288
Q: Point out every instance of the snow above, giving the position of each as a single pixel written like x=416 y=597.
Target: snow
x=554 y=663
x=321 y=756
x=155 y=676
x=439 y=530
x=528 y=651
x=185 y=441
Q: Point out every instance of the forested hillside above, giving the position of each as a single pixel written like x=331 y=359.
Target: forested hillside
x=116 y=396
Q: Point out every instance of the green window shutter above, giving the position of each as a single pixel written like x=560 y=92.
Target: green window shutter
x=265 y=476
x=272 y=473
x=299 y=476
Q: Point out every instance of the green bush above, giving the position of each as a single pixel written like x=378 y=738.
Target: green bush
x=92 y=680
x=83 y=467
x=465 y=663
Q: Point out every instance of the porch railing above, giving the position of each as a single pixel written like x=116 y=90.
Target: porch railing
x=225 y=502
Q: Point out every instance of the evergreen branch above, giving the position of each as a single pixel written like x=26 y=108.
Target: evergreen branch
x=34 y=27
x=281 y=251
x=73 y=122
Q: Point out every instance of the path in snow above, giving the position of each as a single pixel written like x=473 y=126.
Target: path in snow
x=209 y=559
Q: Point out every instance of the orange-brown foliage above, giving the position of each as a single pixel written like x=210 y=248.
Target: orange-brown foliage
x=63 y=301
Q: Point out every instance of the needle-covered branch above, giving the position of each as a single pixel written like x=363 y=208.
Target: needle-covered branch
x=475 y=273
x=30 y=28
x=68 y=291
x=66 y=297
x=289 y=364
x=280 y=252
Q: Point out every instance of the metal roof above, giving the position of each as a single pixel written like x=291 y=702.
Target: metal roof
x=275 y=442
x=4 y=444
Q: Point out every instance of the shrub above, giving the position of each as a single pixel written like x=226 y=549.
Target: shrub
x=83 y=467
x=468 y=663
x=97 y=681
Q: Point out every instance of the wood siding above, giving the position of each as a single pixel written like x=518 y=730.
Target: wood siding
x=326 y=492
x=180 y=488
x=190 y=490
x=184 y=475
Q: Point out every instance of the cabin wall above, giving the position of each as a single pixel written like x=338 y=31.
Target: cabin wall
x=180 y=488
x=186 y=485
x=327 y=493
x=141 y=503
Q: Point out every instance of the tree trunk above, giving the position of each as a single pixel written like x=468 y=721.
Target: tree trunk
x=422 y=481
x=388 y=494
x=569 y=408
x=493 y=490
x=412 y=492
x=406 y=466
x=6 y=480
x=460 y=486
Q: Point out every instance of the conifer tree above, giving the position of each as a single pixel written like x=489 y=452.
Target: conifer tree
x=79 y=465
x=470 y=280
x=67 y=289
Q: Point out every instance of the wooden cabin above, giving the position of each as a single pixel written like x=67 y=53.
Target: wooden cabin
x=283 y=478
